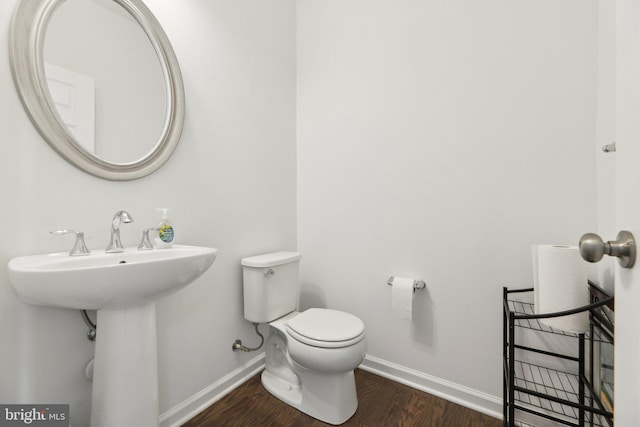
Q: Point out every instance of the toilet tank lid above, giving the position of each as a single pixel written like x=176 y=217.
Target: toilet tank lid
x=271 y=260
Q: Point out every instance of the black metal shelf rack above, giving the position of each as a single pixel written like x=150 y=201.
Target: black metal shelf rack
x=563 y=388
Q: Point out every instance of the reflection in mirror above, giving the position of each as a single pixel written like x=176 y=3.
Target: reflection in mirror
x=105 y=79
x=121 y=137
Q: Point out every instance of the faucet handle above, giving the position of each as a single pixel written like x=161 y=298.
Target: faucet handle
x=145 y=243
x=79 y=248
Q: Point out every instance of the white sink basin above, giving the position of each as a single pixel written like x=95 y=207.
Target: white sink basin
x=123 y=289
x=103 y=280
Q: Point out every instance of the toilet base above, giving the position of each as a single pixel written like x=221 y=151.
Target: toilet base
x=330 y=398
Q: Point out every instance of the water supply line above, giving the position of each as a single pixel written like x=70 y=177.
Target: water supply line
x=237 y=346
x=91 y=333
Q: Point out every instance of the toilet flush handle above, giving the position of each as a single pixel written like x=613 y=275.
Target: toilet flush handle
x=593 y=248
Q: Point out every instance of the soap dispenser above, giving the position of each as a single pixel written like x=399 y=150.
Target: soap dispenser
x=165 y=236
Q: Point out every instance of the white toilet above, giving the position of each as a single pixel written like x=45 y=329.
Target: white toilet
x=309 y=356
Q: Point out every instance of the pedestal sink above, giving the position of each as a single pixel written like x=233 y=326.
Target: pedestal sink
x=123 y=288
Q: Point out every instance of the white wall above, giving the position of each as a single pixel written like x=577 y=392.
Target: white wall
x=440 y=140
x=230 y=184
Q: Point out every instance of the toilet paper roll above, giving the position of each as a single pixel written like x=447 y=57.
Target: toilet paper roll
x=560 y=283
x=536 y=286
x=402 y=295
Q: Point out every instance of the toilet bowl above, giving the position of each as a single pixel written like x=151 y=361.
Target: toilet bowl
x=310 y=356
x=326 y=340
x=315 y=376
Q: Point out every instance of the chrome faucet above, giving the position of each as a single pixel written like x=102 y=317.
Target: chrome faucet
x=115 y=245
x=79 y=248
x=145 y=244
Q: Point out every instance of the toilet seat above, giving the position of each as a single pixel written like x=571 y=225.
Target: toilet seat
x=325 y=328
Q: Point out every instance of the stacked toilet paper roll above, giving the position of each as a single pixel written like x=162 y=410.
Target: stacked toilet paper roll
x=560 y=283
x=402 y=295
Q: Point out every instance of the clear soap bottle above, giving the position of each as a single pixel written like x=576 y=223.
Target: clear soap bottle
x=165 y=236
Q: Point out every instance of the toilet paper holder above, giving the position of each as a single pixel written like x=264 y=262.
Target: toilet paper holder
x=417 y=284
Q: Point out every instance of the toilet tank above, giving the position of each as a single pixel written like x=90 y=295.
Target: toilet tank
x=271 y=284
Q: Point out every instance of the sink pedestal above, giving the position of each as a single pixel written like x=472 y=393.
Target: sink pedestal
x=125 y=382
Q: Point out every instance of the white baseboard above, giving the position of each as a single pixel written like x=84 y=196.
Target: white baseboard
x=462 y=395
x=192 y=406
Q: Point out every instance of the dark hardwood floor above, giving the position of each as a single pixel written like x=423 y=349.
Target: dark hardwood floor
x=381 y=402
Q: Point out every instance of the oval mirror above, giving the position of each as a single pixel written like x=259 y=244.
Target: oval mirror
x=101 y=83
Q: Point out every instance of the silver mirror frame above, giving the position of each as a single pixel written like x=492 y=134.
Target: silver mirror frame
x=26 y=44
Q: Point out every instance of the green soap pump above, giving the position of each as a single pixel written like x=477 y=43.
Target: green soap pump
x=166 y=234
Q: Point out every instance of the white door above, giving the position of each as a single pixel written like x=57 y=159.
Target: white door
x=74 y=96
x=627 y=205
